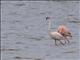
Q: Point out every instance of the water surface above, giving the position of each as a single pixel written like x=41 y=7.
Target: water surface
x=24 y=33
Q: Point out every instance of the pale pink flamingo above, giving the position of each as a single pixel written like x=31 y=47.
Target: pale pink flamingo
x=54 y=35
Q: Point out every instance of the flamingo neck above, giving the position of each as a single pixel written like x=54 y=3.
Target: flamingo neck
x=49 y=26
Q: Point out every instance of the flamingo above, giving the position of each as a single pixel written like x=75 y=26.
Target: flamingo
x=63 y=30
x=54 y=35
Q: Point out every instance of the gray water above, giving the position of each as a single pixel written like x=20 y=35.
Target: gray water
x=24 y=30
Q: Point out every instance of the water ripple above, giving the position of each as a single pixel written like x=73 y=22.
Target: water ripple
x=74 y=21
x=20 y=4
x=18 y=57
x=35 y=38
x=70 y=51
x=10 y=49
x=37 y=59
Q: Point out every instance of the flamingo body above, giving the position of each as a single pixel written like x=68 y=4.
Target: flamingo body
x=56 y=36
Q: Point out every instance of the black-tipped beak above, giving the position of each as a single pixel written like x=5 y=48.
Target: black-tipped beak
x=47 y=18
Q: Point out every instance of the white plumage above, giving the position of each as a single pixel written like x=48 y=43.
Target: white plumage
x=54 y=35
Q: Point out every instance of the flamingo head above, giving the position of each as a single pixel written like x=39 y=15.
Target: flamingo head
x=47 y=18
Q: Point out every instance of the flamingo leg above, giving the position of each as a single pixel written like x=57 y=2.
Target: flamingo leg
x=61 y=42
x=67 y=40
x=56 y=42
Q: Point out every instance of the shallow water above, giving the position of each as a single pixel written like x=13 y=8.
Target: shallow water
x=24 y=33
